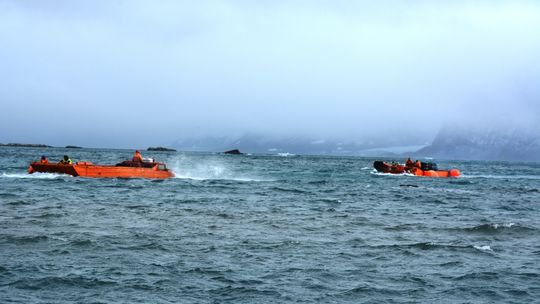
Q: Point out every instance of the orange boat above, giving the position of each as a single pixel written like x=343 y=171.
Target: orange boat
x=427 y=169
x=126 y=169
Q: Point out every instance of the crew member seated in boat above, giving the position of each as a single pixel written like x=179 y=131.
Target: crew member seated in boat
x=418 y=164
x=409 y=163
x=43 y=160
x=137 y=157
x=66 y=161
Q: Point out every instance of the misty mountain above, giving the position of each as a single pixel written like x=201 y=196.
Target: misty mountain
x=257 y=143
x=511 y=144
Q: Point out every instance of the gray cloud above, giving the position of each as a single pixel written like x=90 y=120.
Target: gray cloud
x=139 y=73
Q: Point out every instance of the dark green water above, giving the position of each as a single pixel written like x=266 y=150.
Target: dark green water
x=268 y=229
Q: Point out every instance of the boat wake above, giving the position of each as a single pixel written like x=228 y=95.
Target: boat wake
x=186 y=169
x=203 y=178
x=377 y=173
x=530 y=177
x=34 y=176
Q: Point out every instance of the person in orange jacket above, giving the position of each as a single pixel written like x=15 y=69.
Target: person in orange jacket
x=44 y=160
x=418 y=164
x=137 y=157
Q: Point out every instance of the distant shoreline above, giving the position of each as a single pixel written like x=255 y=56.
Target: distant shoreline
x=21 y=145
x=26 y=145
x=160 y=149
x=381 y=155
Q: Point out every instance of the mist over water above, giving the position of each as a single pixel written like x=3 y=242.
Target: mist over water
x=267 y=228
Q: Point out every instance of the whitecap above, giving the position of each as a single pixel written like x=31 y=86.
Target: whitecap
x=483 y=248
x=286 y=154
x=497 y=226
x=507 y=225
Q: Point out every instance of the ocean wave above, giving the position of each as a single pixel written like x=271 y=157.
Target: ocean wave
x=19 y=203
x=496 y=228
x=436 y=246
x=461 y=182
x=49 y=215
x=365 y=288
x=290 y=190
x=145 y=246
x=329 y=200
x=55 y=281
x=85 y=243
x=483 y=276
x=409 y=185
x=26 y=239
x=318 y=182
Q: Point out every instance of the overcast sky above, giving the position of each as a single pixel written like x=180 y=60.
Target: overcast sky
x=137 y=73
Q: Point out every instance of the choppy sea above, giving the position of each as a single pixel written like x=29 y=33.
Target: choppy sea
x=268 y=229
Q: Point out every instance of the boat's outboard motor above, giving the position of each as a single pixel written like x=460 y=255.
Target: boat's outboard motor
x=428 y=166
x=379 y=166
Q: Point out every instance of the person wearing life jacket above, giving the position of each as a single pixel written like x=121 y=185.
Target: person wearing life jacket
x=418 y=164
x=44 y=160
x=409 y=163
x=66 y=161
x=137 y=157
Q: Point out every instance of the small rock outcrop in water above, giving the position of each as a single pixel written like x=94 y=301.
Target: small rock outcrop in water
x=73 y=147
x=235 y=152
x=159 y=149
x=25 y=145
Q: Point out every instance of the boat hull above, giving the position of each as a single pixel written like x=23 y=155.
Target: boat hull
x=385 y=167
x=85 y=169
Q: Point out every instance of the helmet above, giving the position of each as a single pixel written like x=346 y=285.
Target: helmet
x=137 y=151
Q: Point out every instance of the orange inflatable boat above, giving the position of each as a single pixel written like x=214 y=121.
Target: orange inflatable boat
x=427 y=169
x=126 y=169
